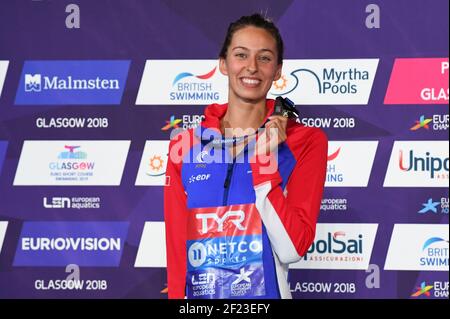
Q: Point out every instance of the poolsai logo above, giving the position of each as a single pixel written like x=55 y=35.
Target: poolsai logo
x=98 y=244
x=319 y=82
x=72 y=82
x=71 y=163
x=340 y=246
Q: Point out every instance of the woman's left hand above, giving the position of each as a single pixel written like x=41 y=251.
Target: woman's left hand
x=272 y=136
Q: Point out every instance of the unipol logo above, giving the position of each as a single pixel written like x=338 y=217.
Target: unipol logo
x=32 y=83
x=418 y=164
x=427 y=163
x=236 y=218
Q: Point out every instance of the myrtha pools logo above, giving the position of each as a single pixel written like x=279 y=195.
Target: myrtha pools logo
x=324 y=82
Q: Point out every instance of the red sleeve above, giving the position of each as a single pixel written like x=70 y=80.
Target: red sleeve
x=175 y=216
x=290 y=217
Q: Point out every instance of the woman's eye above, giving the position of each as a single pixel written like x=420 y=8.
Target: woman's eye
x=265 y=58
x=241 y=55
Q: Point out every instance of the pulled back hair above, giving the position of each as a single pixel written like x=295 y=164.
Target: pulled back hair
x=255 y=20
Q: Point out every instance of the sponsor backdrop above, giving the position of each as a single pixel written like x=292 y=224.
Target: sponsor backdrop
x=90 y=91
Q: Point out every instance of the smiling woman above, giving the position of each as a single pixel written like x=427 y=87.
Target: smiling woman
x=251 y=65
x=244 y=188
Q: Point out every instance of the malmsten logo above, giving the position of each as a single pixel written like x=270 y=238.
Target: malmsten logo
x=72 y=82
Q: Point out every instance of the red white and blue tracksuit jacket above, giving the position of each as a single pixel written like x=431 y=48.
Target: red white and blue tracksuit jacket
x=231 y=231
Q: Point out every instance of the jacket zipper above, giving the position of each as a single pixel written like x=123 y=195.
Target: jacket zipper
x=226 y=184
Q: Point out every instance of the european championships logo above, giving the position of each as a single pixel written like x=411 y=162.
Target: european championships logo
x=424 y=289
x=171 y=123
x=421 y=123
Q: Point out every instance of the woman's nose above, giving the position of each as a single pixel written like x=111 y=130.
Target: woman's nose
x=252 y=66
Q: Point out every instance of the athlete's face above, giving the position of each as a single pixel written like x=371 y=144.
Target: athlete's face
x=251 y=64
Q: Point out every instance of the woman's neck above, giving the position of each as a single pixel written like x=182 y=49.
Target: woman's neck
x=246 y=117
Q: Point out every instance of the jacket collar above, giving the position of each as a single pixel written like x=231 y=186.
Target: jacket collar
x=215 y=112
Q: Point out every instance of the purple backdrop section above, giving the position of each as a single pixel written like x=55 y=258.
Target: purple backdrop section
x=3 y=147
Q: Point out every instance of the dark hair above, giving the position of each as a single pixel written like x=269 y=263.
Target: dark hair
x=258 y=21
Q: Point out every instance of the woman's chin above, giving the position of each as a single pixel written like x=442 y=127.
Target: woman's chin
x=252 y=99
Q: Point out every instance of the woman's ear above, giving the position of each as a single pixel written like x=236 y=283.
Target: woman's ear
x=223 y=66
x=278 y=72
